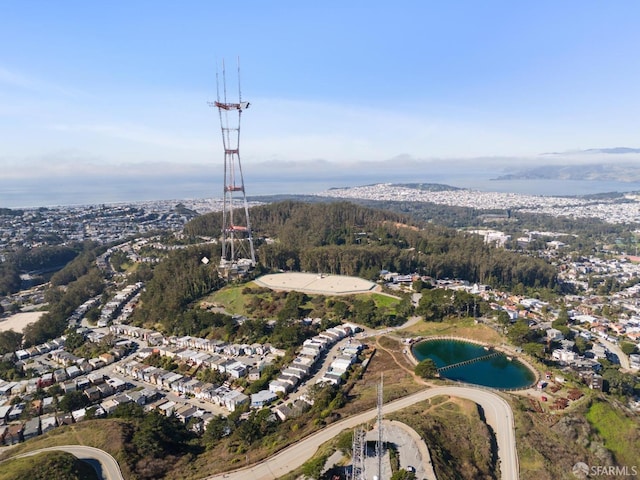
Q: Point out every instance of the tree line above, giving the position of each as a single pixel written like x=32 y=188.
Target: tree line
x=349 y=239
x=178 y=281
x=37 y=259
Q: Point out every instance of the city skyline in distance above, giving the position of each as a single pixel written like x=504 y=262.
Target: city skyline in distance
x=115 y=97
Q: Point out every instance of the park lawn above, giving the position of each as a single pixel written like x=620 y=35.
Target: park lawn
x=385 y=301
x=232 y=298
x=455 y=327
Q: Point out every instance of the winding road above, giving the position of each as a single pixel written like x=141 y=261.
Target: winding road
x=497 y=413
x=104 y=464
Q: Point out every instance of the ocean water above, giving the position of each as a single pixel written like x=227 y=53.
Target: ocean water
x=36 y=193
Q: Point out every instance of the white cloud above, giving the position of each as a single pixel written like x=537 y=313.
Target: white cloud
x=21 y=81
x=138 y=133
x=287 y=129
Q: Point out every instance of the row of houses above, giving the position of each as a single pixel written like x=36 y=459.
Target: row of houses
x=234 y=367
x=150 y=399
x=297 y=371
x=64 y=377
x=174 y=343
x=184 y=385
x=151 y=337
x=81 y=311
x=118 y=302
x=339 y=366
x=41 y=349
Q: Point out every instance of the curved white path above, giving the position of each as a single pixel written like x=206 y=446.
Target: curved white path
x=110 y=469
x=497 y=412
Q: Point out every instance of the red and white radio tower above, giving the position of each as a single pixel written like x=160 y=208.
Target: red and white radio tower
x=238 y=254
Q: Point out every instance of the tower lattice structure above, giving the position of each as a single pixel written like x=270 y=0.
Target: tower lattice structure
x=379 y=441
x=237 y=240
x=358 y=454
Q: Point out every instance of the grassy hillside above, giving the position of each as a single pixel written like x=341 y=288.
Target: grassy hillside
x=461 y=445
x=618 y=430
x=46 y=466
x=108 y=435
x=597 y=434
x=242 y=300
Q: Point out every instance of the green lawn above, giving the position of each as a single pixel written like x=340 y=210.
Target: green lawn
x=232 y=298
x=384 y=301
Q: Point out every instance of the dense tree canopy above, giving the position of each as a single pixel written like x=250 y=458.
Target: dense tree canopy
x=438 y=303
x=10 y=341
x=62 y=302
x=9 y=278
x=426 y=368
x=349 y=239
x=179 y=280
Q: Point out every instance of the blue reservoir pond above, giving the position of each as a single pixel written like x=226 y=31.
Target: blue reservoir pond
x=495 y=371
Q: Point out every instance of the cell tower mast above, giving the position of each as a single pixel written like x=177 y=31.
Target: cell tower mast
x=238 y=255
x=379 y=442
x=358 y=455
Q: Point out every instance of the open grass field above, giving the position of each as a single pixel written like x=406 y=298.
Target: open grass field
x=384 y=301
x=235 y=299
x=231 y=298
x=457 y=327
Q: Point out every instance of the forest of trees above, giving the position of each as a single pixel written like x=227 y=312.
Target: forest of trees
x=9 y=278
x=177 y=281
x=349 y=239
x=39 y=259
x=78 y=266
x=62 y=303
x=436 y=304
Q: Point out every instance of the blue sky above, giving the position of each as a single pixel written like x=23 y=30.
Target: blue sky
x=95 y=89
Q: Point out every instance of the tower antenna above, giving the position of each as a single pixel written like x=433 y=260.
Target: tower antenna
x=238 y=254
x=379 y=441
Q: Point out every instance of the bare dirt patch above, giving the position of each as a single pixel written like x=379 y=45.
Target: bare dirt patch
x=18 y=321
x=316 y=283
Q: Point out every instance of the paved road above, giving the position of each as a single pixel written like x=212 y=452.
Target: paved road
x=104 y=464
x=497 y=412
x=622 y=357
x=412 y=449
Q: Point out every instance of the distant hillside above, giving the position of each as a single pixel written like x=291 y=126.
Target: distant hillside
x=428 y=187
x=611 y=151
x=349 y=239
x=596 y=172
